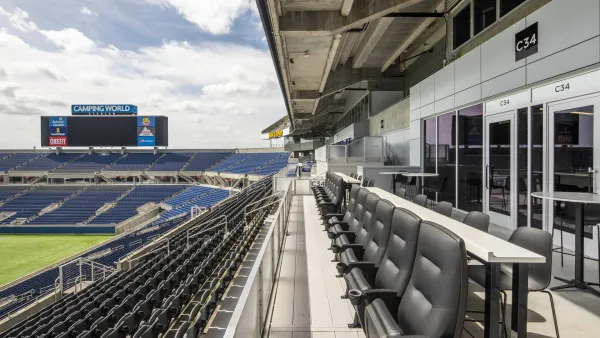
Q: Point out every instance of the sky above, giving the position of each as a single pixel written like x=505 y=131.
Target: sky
x=203 y=63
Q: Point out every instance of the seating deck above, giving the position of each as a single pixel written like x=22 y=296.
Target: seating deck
x=308 y=302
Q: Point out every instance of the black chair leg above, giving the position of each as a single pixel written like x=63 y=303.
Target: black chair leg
x=503 y=309
x=562 y=253
x=553 y=311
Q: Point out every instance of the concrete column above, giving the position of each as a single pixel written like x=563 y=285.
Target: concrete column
x=176 y=179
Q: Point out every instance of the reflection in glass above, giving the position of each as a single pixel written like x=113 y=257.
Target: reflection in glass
x=573 y=148
x=446 y=162
x=461 y=27
x=485 y=14
x=537 y=162
x=429 y=150
x=470 y=145
x=500 y=149
x=522 y=145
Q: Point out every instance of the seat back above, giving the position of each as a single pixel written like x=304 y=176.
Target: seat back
x=477 y=220
x=444 y=208
x=420 y=200
x=434 y=303
x=397 y=263
x=338 y=191
x=377 y=242
x=359 y=210
x=540 y=242
x=352 y=201
x=368 y=220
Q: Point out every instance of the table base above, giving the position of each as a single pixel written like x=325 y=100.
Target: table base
x=573 y=283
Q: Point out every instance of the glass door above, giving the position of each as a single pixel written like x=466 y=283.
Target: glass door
x=501 y=154
x=573 y=160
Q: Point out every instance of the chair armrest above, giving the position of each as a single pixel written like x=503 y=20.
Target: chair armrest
x=368 y=268
x=349 y=234
x=337 y=249
x=334 y=215
x=388 y=296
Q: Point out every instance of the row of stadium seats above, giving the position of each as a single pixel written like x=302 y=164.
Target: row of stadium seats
x=239 y=163
x=81 y=207
x=32 y=202
x=43 y=283
x=172 y=162
x=140 y=195
x=145 y=300
x=89 y=163
x=198 y=196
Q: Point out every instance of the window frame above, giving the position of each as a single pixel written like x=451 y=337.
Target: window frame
x=458 y=8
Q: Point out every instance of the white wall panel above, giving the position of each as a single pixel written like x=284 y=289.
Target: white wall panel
x=467 y=96
x=498 y=54
x=444 y=82
x=506 y=82
x=415 y=114
x=415 y=97
x=415 y=153
x=415 y=129
x=579 y=56
x=564 y=23
x=427 y=91
x=467 y=70
x=427 y=110
x=444 y=104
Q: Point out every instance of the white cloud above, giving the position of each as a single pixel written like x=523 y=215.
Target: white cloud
x=71 y=40
x=216 y=95
x=214 y=16
x=87 y=11
x=18 y=19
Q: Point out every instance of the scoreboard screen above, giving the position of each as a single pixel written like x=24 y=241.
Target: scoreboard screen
x=104 y=131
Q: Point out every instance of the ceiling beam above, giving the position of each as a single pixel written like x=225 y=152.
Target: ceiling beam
x=346 y=76
x=415 y=15
x=330 y=58
x=375 y=31
x=346 y=7
x=305 y=95
x=328 y=23
x=411 y=38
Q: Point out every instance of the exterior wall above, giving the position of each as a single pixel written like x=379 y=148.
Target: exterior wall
x=345 y=133
x=569 y=40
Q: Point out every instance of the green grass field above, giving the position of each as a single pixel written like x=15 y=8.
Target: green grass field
x=23 y=254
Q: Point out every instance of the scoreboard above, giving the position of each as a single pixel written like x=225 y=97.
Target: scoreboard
x=104 y=131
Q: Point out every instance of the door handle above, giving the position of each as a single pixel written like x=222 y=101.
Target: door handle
x=487 y=176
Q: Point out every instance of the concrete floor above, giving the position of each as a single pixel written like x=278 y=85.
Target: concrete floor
x=307 y=302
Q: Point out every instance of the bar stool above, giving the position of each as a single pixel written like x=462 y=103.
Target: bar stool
x=409 y=185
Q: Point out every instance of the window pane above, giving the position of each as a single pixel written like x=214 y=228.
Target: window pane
x=485 y=14
x=537 y=162
x=429 y=146
x=522 y=145
x=462 y=27
x=446 y=159
x=508 y=5
x=470 y=144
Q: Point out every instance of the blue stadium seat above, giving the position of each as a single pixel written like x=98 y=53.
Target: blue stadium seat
x=134 y=162
x=203 y=161
x=89 y=163
x=16 y=160
x=172 y=162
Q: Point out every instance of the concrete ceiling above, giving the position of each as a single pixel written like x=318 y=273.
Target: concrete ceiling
x=324 y=46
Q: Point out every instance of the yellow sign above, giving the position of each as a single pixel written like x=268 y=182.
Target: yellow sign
x=276 y=134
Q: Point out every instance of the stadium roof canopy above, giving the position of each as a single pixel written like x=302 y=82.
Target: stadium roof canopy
x=322 y=48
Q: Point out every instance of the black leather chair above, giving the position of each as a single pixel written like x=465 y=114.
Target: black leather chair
x=435 y=299
x=376 y=242
x=351 y=226
x=540 y=275
x=387 y=280
x=477 y=220
x=350 y=209
x=443 y=208
x=420 y=200
x=362 y=234
x=334 y=203
x=439 y=189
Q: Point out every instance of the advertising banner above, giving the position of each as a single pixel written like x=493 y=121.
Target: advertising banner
x=146 y=121
x=58 y=131
x=103 y=109
x=58 y=141
x=57 y=121
x=146 y=141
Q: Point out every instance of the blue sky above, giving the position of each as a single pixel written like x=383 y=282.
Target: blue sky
x=203 y=63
